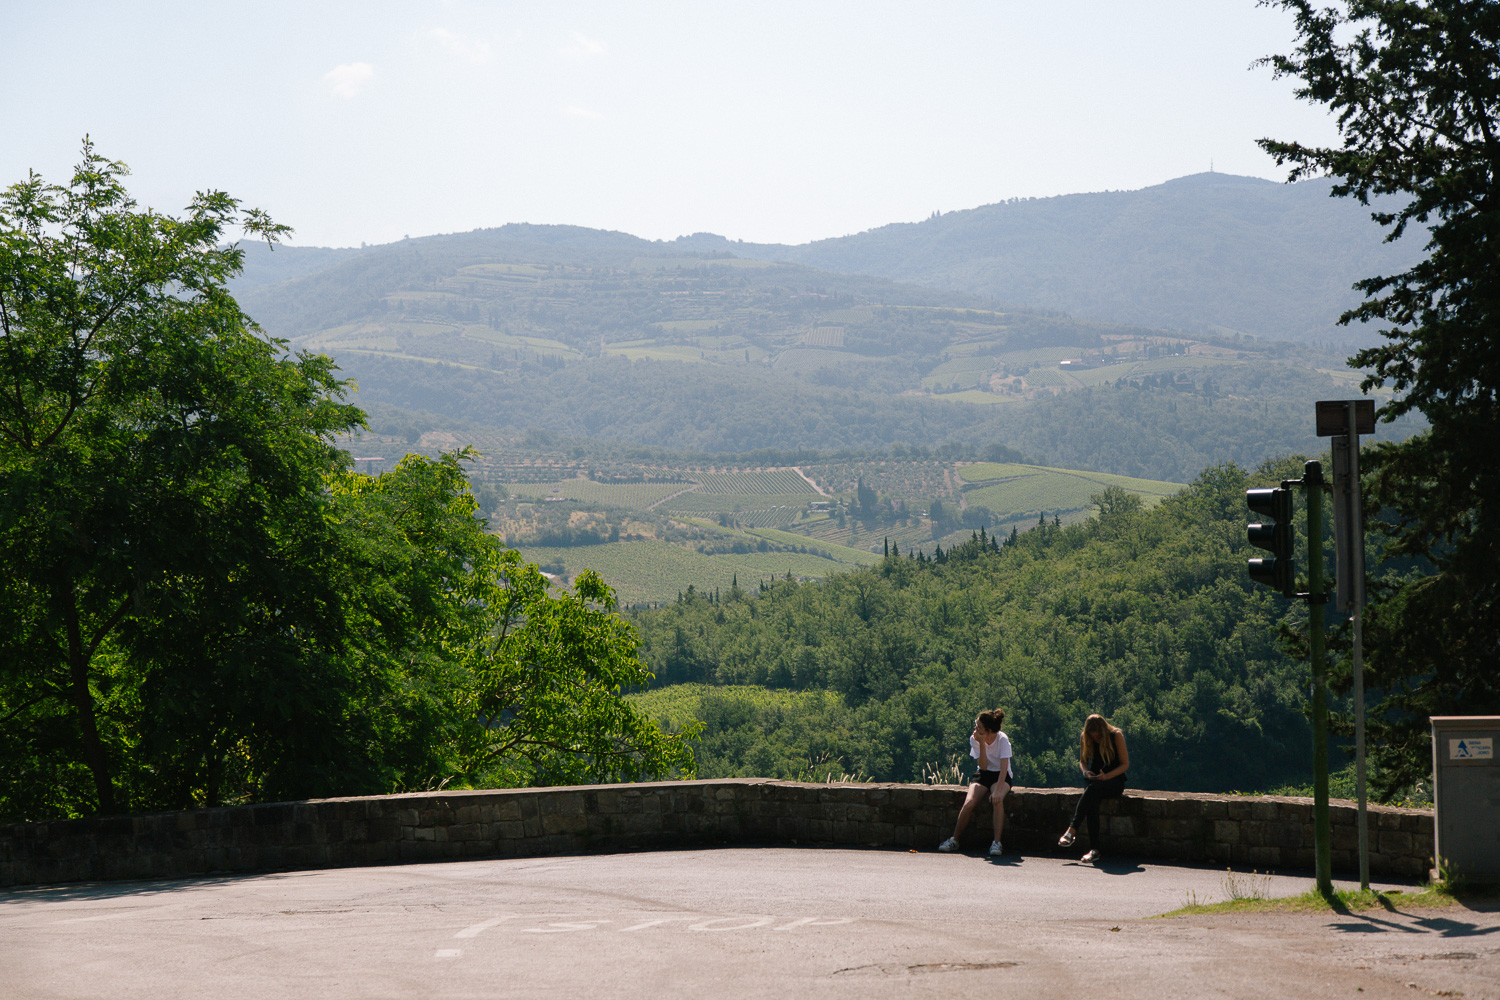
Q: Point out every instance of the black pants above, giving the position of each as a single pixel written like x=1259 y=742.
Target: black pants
x=1088 y=804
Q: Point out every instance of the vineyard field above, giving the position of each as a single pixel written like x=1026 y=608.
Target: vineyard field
x=977 y=397
x=1053 y=491
x=647 y=571
x=782 y=481
x=914 y=481
x=730 y=502
x=843 y=553
x=980 y=472
x=632 y=496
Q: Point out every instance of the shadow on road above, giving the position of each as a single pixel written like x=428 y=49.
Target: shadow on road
x=113 y=890
x=1113 y=866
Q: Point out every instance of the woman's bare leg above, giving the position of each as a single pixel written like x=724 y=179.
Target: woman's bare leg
x=977 y=792
x=997 y=799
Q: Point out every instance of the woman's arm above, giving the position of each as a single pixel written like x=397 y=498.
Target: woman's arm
x=1122 y=759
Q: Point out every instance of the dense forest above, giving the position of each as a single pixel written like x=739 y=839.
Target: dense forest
x=1143 y=614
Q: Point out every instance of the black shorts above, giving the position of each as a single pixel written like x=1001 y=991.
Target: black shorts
x=988 y=778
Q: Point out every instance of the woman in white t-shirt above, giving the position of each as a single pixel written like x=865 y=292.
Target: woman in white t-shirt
x=991 y=748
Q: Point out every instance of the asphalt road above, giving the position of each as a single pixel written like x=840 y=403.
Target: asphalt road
x=741 y=923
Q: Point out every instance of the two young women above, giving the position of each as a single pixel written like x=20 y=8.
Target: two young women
x=1102 y=757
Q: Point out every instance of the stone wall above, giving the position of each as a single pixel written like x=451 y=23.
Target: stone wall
x=1246 y=832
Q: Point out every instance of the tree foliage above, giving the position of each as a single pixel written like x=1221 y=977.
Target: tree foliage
x=199 y=603
x=1416 y=88
x=1142 y=614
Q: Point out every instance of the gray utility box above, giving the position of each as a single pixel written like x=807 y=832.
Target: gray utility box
x=1466 y=795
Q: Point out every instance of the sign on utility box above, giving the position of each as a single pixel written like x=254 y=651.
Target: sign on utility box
x=1466 y=795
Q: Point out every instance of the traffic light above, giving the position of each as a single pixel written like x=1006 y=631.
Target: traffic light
x=1274 y=534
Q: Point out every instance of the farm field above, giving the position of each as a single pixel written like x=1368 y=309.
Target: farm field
x=843 y=553
x=977 y=397
x=1013 y=491
x=645 y=571
x=632 y=496
x=853 y=535
x=914 y=481
x=698 y=501
x=770 y=481
x=980 y=472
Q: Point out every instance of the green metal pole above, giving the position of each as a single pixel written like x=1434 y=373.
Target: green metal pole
x=1322 y=838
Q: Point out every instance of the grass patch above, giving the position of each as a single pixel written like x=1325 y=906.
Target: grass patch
x=1312 y=901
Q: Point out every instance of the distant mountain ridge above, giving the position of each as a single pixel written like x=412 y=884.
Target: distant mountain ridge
x=1200 y=253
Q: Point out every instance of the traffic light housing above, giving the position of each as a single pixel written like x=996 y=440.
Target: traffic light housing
x=1274 y=534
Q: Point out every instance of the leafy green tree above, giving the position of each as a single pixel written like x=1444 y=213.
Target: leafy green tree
x=157 y=457
x=1416 y=88
x=200 y=603
x=548 y=680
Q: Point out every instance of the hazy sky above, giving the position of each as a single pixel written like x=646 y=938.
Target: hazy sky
x=765 y=121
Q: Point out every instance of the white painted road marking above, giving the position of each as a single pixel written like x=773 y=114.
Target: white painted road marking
x=561 y=926
x=654 y=923
x=814 y=922
x=478 y=929
x=706 y=925
x=447 y=953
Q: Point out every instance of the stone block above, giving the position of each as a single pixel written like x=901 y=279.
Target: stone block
x=1265 y=812
x=1150 y=808
x=557 y=824
x=1291 y=834
x=1263 y=857
x=1394 y=842
x=465 y=816
x=508 y=810
x=1171 y=829
x=1226 y=831
x=1214 y=809
x=1180 y=809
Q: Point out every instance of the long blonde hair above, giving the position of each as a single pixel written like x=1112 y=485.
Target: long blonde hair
x=1097 y=730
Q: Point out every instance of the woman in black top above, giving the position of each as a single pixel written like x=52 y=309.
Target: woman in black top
x=1103 y=759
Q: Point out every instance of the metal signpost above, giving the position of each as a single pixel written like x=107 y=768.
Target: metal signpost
x=1345 y=420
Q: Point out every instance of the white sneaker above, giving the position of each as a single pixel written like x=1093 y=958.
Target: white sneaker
x=951 y=844
x=995 y=849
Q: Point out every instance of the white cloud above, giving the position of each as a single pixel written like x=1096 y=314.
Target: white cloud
x=350 y=78
x=581 y=47
x=475 y=50
x=577 y=112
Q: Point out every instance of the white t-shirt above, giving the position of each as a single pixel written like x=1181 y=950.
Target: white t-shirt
x=994 y=753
